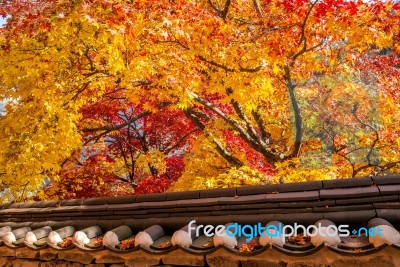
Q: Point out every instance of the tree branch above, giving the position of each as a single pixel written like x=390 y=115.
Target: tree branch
x=226 y=9
x=213 y=6
x=303 y=25
x=110 y=128
x=228 y=119
x=257 y=7
x=231 y=159
x=239 y=111
x=261 y=125
x=222 y=13
x=170 y=148
x=354 y=112
x=297 y=114
x=259 y=145
x=215 y=64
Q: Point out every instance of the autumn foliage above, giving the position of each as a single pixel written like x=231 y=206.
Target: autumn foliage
x=120 y=97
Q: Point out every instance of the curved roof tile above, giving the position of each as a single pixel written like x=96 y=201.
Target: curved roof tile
x=352 y=201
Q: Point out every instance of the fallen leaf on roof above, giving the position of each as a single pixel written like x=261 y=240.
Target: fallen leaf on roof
x=300 y=240
x=250 y=246
x=209 y=243
x=97 y=242
x=165 y=245
x=66 y=242
x=127 y=244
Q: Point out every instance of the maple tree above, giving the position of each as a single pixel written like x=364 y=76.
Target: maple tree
x=143 y=157
x=208 y=93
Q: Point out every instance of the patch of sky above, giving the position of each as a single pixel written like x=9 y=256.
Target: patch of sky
x=3 y=21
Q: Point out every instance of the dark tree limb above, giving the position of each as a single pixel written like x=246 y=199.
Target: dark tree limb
x=297 y=113
x=226 y=9
x=231 y=159
x=240 y=112
x=177 y=143
x=271 y=154
x=257 y=7
x=261 y=125
x=110 y=128
x=222 y=13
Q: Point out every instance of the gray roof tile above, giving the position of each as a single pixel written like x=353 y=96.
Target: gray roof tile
x=341 y=201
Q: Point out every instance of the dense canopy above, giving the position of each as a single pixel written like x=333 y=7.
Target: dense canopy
x=106 y=97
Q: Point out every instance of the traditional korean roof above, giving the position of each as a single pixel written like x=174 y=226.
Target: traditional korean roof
x=115 y=223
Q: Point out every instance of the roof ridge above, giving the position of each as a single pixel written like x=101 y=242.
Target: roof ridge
x=393 y=179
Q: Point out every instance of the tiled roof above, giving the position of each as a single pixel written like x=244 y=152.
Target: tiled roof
x=358 y=202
